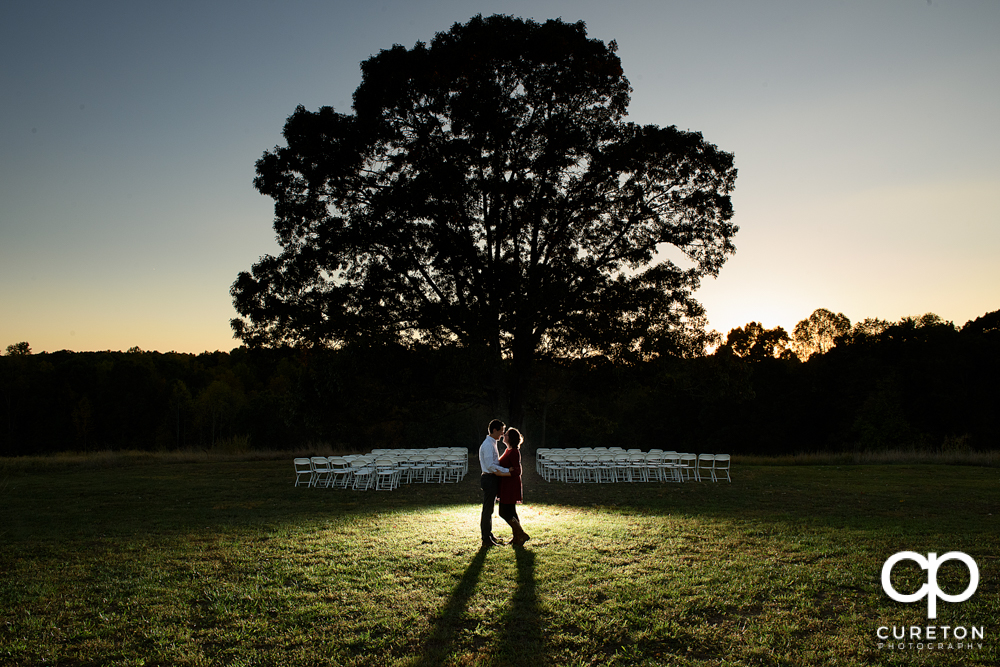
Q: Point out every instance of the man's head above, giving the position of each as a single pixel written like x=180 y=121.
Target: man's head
x=496 y=429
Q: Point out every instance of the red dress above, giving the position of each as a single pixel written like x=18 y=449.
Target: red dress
x=510 y=487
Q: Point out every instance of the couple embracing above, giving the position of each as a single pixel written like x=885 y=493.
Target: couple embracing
x=501 y=479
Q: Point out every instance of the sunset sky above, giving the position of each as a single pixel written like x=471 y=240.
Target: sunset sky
x=866 y=135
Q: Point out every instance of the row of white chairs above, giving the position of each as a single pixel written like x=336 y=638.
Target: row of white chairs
x=614 y=464
x=383 y=469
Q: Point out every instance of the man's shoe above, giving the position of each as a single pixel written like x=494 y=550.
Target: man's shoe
x=487 y=545
x=496 y=540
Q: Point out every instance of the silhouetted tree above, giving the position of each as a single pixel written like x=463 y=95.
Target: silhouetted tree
x=818 y=333
x=867 y=331
x=13 y=381
x=18 y=349
x=755 y=343
x=987 y=325
x=487 y=192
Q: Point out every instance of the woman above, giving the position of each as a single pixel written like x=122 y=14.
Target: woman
x=510 y=485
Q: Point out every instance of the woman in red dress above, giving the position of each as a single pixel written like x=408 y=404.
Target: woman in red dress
x=510 y=486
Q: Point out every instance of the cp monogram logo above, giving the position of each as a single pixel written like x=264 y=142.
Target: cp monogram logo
x=930 y=589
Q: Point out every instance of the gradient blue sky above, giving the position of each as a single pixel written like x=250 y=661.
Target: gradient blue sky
x=866 y=134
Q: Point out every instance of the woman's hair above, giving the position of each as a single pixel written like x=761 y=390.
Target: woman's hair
x=514 y=436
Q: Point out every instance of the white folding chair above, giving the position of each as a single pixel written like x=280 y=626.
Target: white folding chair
x=637 y=467
x=623 y=468
x=722 y=465
x=454 y=468
x=386 y=475
x=405 y=471
x=418 y=470
x=340 y=472
x=671 y=467
x=303 y=467
x=573 y=471
x=590 y=468
x=321 y=471
x=363 y=477
x=653 y=463
x=540 y=461
x=688 y=464
x=706 y=463
x=436 y=468
x=606 y=468
x=555 y=468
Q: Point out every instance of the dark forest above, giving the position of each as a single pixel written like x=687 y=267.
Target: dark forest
x=920 y=383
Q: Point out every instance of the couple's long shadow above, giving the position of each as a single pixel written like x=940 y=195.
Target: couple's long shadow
x=519 y=639
x=441 y=639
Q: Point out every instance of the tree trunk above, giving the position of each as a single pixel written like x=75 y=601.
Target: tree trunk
x=517 y=384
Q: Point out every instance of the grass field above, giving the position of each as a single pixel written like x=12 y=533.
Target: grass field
x=226 y=563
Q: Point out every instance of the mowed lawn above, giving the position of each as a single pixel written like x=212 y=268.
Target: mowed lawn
x=226 y=563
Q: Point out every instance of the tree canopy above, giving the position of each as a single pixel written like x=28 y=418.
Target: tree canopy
x=18 y=349
x=818 y=333
x=755 y=343
x=488 y=192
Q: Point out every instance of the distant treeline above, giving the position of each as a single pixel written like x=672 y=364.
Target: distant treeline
x=921 y=383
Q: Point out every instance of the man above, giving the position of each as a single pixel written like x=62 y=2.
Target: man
x=489 y=462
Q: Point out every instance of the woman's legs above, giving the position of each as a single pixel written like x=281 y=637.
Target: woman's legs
x=508 y=512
